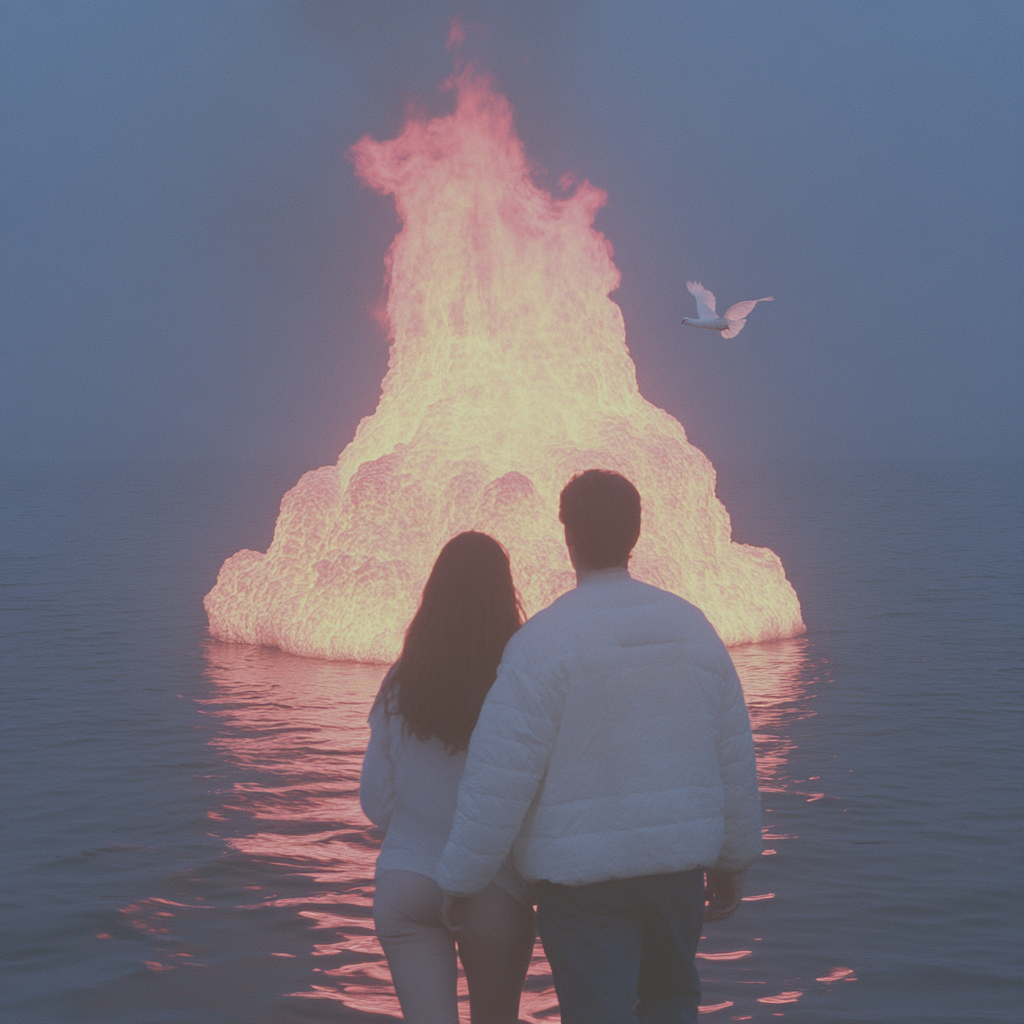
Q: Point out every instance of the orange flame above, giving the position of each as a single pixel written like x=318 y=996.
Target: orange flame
x=508 y=373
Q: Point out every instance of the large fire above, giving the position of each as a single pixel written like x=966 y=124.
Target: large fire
x=508 y=373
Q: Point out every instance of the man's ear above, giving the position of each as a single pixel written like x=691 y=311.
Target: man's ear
x=571 y=545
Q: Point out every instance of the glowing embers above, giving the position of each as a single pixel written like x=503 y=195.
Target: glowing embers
x=508 y=373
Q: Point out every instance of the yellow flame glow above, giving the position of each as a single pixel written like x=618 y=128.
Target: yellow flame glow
x=508 y=373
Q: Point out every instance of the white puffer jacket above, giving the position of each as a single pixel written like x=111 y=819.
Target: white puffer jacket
x=614 y=743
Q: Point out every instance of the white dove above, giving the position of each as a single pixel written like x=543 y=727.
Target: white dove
x=735 y=316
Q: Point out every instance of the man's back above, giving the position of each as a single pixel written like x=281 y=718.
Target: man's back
x=614 y=751
x=615 y=742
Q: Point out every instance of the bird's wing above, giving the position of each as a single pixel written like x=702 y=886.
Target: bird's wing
x=734 y=328
x=742 y=309
x=705 y=300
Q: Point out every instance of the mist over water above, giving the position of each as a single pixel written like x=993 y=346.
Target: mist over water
x=186 y=248
x=183 y=839
x=190 y=270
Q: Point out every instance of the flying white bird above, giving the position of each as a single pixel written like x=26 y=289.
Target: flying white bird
x=735 y=316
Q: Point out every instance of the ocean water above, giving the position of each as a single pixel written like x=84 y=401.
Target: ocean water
x=182 y=839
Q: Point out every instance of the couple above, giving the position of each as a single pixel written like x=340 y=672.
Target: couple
x=597 y=761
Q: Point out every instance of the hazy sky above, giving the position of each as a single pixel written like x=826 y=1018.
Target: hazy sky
x=189 y=262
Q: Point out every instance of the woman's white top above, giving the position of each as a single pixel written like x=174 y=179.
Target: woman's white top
x=409 y=788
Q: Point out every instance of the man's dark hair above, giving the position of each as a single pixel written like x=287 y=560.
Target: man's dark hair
x=601 y=513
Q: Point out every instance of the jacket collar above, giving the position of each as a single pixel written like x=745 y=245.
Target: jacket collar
x=600 y=577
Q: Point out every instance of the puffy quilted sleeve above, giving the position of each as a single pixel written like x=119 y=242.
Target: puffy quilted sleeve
x=508 y=756
x=377 y=779
x=742 y=844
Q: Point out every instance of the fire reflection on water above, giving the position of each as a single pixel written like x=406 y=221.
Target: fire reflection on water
x=299 y=729
x=292 y=732
x=775 y=678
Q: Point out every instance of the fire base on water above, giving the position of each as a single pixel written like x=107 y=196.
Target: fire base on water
x=508 y=373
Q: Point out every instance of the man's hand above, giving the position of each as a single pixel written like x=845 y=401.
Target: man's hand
x=723 y=893
x=452 y=910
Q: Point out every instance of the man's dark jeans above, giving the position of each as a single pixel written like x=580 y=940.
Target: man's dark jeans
x=623 y=950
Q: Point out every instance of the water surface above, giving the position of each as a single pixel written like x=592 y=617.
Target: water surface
x=184 y=842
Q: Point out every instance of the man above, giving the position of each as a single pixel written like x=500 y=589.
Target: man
x=613 y=757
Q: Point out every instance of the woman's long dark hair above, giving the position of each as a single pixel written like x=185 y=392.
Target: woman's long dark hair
x=467 y=614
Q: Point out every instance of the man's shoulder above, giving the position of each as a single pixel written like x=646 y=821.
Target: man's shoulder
x=542 y=627
x=653 y=593
x=641 y=601
x=609 y=615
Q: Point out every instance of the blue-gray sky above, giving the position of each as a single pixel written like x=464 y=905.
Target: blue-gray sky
x=189 y=264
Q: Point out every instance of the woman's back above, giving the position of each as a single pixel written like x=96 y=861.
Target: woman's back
x=409 y=787
x=420 y=727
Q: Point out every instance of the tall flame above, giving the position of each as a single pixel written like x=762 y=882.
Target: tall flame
x=508 y=373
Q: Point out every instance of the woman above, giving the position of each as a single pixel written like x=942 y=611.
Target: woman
x=420 y=727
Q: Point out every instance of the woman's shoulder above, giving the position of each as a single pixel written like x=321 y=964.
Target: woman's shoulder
x=384 y=703
x=379 y=714
x=386 y=718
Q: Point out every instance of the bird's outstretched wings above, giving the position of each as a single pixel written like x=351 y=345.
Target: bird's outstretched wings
x=741 y=310
x=705 y=300
x=734 y=328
